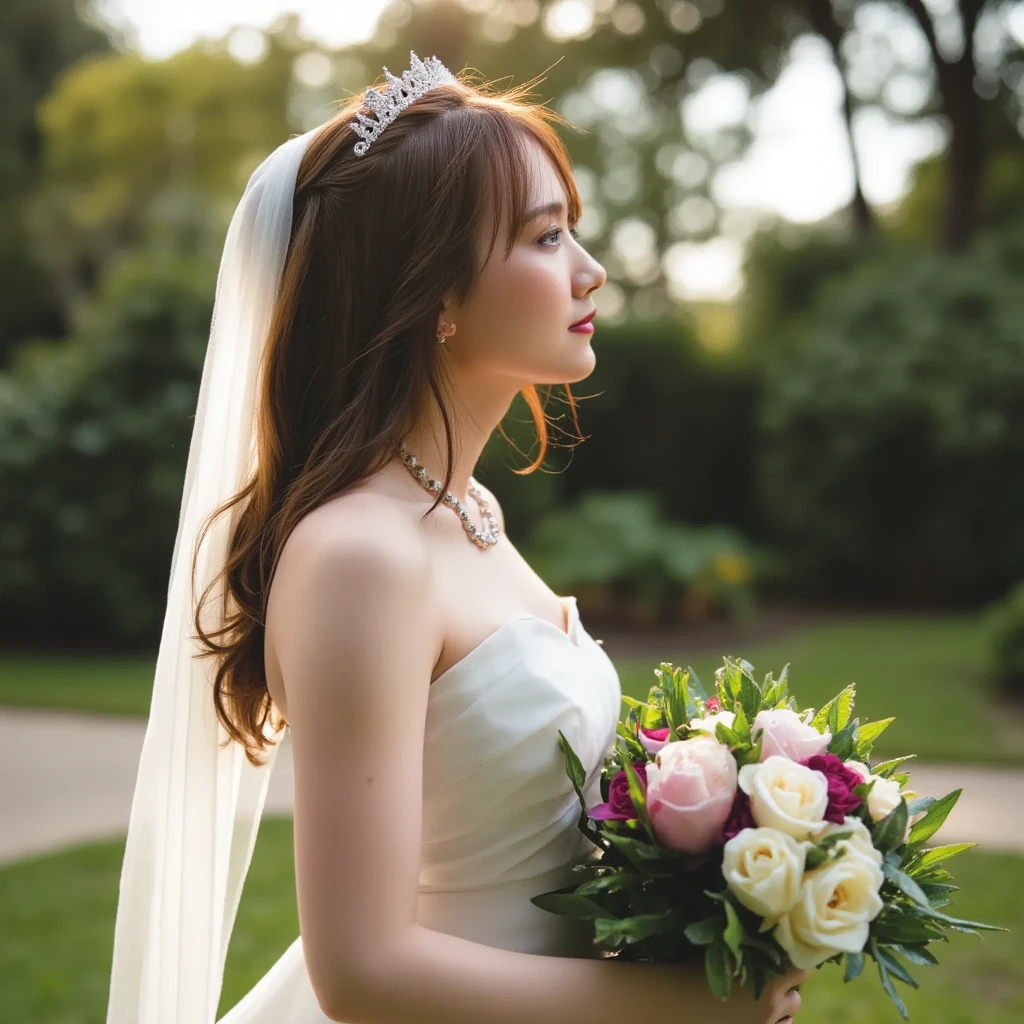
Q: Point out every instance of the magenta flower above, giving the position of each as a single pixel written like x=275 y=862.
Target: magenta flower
x=619 y=806
x=652 y=740
x=713 y=704
x=841 y=781
x=740 y=817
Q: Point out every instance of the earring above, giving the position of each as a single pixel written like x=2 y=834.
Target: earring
x=444 y=327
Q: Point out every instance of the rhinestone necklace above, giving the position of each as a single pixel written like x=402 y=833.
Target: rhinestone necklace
x=485 y=538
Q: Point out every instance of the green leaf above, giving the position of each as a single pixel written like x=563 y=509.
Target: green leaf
x=886 y=768
x=570 y=904
x=843 y=742
x=573 y=768
x=926 y=859
x=888 y=833
x=836 y=713
x=638 y=797
x=609 y=883
x=636 y=928
x=716 y=968
x=733 y=934
x=916 y=955
x=895 y=968
x=918 y=804
x=854 y=966
x=869 y=733
x=892 y=927
x=905 y=884
x=703 y=933
x=696 y=686
x=750 y=697
x=924 y=829
x=642 y=855
x=890 y=988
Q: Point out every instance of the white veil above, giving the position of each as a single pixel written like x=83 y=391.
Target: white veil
x=197 y=806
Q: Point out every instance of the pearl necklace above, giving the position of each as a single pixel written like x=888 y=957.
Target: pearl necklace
x=485 y=538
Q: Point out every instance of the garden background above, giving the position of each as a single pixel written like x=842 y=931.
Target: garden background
x=819 y=459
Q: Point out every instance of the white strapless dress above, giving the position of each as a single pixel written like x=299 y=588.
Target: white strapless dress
x=499 y=812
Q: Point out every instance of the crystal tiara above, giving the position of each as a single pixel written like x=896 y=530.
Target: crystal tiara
x=421 y=77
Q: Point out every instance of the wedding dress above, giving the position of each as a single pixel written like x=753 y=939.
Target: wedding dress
x=499 y=812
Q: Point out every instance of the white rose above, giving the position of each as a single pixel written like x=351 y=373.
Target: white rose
x=786 y=795
x=833 y=913
x=859 y=840
x=764 y=868
x=708 y=724
x=885 y=793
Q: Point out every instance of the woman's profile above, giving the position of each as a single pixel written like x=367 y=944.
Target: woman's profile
x=391 y=281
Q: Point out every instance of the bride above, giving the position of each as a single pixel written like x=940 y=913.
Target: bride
x=390 y=282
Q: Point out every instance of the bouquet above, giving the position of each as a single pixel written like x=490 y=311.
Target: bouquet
x=738 y=829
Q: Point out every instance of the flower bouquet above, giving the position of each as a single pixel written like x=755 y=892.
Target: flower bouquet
x=736 y=828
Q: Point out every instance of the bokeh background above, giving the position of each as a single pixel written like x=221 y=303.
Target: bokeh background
x=804 y=436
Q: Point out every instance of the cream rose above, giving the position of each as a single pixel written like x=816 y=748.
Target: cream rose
x=885 y=794
x=763 y=868
x=837 y=903
x=786 y=795
x=859 y=840
x=708 y=724
x=784 y=733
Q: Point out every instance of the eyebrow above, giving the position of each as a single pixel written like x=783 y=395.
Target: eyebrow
x=556 y=207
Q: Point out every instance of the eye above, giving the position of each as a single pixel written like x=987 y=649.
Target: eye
x=557 y=231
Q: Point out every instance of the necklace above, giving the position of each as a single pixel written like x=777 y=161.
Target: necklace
x=485 y=538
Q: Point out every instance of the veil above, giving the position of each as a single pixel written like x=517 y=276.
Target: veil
x=197 y=806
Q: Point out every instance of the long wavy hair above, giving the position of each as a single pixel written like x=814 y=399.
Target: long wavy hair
x=351 y=358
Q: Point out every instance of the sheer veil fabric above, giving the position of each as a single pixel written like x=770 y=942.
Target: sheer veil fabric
x=197 y=806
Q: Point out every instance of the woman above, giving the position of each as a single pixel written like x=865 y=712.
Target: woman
x=353 y=581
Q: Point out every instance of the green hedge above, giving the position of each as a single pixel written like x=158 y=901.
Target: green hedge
x=893 y=434
x=94 y=435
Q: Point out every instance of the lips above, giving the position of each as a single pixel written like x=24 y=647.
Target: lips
x=585 y=320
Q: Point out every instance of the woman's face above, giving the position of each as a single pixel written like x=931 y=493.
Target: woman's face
x=515 y=320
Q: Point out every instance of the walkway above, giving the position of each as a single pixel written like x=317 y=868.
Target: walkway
x=68 y=778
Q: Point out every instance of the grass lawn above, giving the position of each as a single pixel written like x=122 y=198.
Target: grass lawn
x=56 y=932
x=928 y=673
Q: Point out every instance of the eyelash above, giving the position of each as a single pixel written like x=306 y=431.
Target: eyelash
x=558 y=231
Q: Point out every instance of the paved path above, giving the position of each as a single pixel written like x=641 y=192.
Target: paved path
x=68 y=778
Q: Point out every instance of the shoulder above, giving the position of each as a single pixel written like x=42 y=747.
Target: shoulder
x=352 y=570
x=495 y=505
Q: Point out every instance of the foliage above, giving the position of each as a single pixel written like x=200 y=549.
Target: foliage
x=1004 y=623
x=650 y=902
x=893 y=424
x=93 y=442
x=620 y=543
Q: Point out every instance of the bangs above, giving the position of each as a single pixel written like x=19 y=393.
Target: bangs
x=503 y=169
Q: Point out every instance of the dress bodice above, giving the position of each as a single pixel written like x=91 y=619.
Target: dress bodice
x=499 y=811
x=497 y=803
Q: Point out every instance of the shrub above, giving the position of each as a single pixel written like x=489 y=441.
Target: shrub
x=94 y=436
x=626 y=562
x=893 y=435
x=1004 y=625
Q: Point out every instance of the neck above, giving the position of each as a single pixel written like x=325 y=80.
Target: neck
x=478 y=409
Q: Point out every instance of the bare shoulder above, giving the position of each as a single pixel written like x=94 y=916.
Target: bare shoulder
x=352 y=573
x=493 y=502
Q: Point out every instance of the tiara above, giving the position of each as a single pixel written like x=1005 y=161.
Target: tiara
x=422 y=76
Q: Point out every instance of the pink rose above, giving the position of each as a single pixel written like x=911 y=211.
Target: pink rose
x=690 y=790
x=841 y=780
x=653 y=739
x=783 y=734
x=619 y=805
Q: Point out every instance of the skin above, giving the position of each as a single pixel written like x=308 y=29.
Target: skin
x=369 y=604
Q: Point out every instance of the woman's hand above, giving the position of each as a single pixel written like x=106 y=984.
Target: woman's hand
x=780 y=999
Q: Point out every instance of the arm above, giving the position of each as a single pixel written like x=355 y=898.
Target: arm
x=355 y=641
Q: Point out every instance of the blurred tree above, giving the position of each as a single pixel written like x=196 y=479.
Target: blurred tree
x=141 y=152
x=38 y=38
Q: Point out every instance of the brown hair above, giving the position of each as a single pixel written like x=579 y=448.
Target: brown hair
x=351 y=356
